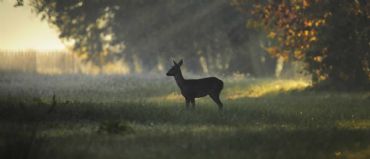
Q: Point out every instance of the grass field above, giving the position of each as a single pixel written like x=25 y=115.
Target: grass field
x=80 y=116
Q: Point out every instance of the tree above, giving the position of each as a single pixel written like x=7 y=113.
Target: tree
x=209 y=34
x=331 y=37
x=342 y=52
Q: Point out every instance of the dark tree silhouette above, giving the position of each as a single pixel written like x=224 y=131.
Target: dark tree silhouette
x=159 y=29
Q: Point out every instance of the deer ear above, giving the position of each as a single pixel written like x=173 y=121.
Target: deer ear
x=174 y=62
x=180 y=63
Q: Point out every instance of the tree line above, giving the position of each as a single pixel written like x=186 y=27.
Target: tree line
x=330 y=37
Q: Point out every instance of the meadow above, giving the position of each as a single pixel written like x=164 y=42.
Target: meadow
x=137 y=116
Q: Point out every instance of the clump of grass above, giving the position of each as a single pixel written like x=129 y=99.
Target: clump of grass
x=115 y=127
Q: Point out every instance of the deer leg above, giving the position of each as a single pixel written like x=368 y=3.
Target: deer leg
x=216 y=99
x=187 y=102
x=192 y=103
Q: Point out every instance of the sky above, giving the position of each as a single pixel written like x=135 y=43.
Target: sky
x=20 y=29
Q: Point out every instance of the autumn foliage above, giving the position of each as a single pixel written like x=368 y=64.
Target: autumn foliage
x=331 y=37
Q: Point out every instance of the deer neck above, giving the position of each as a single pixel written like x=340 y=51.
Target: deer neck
x=179 y=79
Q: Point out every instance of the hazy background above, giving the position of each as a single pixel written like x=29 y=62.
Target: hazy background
x=28 y=44
x=21 y=29
x=89 y=80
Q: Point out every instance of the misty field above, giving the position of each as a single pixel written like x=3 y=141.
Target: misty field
x=136 y=116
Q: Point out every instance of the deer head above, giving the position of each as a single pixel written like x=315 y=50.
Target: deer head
x=175 y=69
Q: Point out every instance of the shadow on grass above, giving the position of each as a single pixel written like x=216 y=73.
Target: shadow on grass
x=237 y=143
x=168 y=131
x=270 y=143
x=141 y=112
x=303 y=111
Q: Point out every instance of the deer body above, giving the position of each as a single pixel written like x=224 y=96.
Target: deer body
x=196 y=88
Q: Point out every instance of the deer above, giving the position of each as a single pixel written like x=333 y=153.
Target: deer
x=196 y=88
